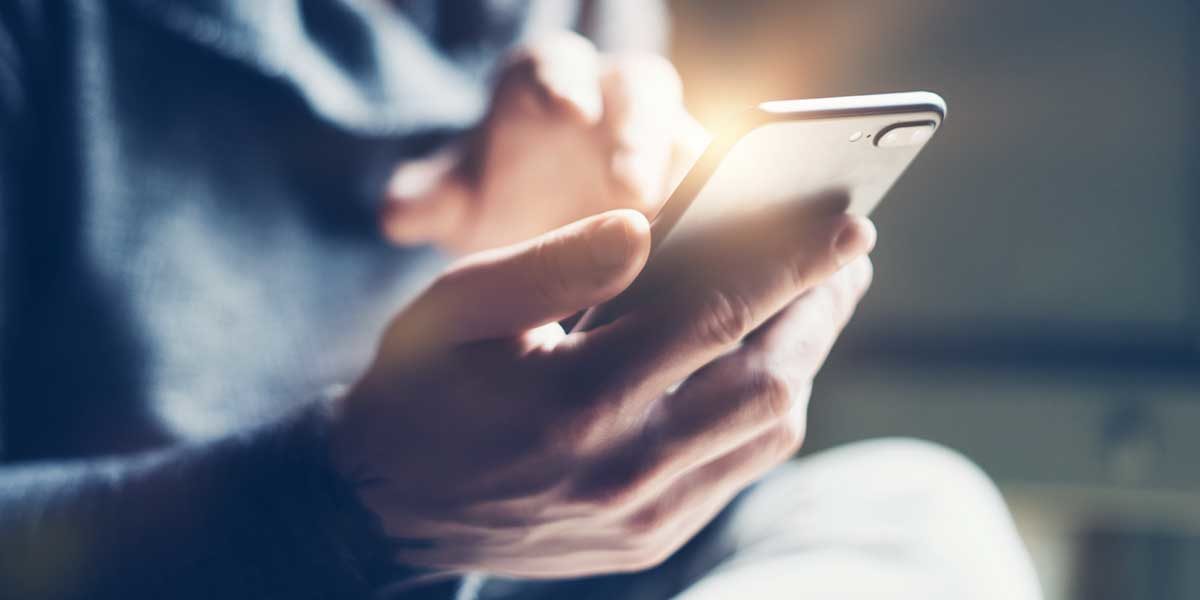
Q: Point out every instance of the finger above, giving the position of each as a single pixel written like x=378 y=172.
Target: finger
x=643 y=101
x=426 y=200
x=558 y=73
x=798 y=339
x=693 y=499
x=698 y=304
x=510 y=290
x=723 y=406
x=753 y=388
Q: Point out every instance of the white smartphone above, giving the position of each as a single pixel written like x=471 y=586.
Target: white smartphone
x=851 y=148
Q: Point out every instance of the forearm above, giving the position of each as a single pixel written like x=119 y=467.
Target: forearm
x=257 y=515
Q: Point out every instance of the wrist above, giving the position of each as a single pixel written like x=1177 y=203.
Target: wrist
x=330 y=524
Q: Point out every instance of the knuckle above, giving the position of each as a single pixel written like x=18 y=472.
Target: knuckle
x=647 y=523
x=787 y=438
x=727 y=318
x=773 y=391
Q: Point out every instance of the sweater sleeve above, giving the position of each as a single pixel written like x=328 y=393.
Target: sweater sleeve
x=256 y=515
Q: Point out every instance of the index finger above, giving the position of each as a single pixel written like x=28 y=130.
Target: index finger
x=702 y=295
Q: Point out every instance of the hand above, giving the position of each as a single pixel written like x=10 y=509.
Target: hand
x=569 y=134
x=484 y=438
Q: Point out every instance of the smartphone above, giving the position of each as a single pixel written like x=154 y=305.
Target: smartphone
x=851 y=149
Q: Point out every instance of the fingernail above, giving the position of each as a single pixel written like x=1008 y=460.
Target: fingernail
x=612 y=243
x=856 y=238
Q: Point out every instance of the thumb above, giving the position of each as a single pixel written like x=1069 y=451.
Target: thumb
x=426 y=200
x=507 y=291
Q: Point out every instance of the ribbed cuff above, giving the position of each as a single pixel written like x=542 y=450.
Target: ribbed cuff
x=326 y=530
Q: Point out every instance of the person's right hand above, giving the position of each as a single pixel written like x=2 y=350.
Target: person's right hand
x=570 y=133
x=485 y=438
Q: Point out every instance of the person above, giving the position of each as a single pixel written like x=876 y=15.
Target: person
x=192 y=195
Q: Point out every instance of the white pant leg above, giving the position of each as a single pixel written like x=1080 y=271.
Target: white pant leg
x=880 y=519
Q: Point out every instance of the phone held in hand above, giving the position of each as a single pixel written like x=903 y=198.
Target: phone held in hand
x=824 y=154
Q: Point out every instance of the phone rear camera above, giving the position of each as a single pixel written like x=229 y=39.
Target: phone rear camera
x=905 y=134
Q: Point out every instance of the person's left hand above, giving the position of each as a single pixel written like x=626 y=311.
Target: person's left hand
x=570 y=133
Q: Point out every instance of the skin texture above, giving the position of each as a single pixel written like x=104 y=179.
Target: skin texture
x=487 y=439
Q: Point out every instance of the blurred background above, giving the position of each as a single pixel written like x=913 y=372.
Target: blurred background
x=1037 y=295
